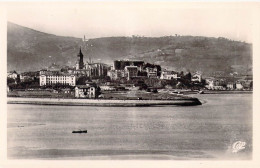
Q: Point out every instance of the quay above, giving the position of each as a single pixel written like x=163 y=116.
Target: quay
x=102 y=102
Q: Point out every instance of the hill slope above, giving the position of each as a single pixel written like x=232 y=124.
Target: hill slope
x=28 y=49
x=32 y=50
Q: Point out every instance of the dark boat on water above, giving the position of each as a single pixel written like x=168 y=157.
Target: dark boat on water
x=80 y=131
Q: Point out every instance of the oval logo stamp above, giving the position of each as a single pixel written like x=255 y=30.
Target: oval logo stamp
x=238 y=146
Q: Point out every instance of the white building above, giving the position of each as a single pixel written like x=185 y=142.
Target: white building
x=106 y=88
x=218 y=88
x=169 y=75
x=52 y=78
x=131 y=71
x=28 y=76
x=151 y=72
x=12 y=74
x=231 y=86
x=85 y=91
x=197 y=77
x=116 y=74
x=239 y=86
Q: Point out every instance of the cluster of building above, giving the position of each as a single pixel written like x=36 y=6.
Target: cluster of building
x=127 y=69
x=130 y=69
x=229 y=84
x=68 y=76
x=89 y=68
x=23 y=77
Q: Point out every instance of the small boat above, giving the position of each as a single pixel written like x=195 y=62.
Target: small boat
x=80 y=131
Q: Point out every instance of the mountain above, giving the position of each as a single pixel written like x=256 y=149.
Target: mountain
x=28 y=49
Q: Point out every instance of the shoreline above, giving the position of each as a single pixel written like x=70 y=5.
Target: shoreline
x=103 y=102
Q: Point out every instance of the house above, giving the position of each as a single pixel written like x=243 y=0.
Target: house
x=107 y=88
x=209 y=80
x=218 y=88
x=12 y=74
x=131 y=71
x=197 y=77
x=28 y=76
x=231 y=86
x=169 y=75
x=239 y=86
x=86 y=91
x=210 y=85
x=151 y=72
x=215 y=84
x=116 y=74
x=66 y=91
x=247 y=85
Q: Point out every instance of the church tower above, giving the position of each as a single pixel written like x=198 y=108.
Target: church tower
x=80 y=63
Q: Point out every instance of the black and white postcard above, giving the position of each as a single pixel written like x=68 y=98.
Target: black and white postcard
x=88 y=81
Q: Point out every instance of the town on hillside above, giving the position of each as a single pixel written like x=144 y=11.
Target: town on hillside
x=88 y=79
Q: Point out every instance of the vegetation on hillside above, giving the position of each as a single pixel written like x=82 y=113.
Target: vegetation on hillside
x=32 y=50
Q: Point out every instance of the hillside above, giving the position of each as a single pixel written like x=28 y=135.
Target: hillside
x=32 y=50
x=28 y=49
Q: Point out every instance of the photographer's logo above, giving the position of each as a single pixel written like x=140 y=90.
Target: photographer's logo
x=238 y=146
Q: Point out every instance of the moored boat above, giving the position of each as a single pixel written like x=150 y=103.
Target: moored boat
x=80 y=131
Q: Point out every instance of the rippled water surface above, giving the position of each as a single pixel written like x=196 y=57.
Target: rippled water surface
x=197 y=132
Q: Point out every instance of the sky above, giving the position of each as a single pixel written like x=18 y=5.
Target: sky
x=151 y=19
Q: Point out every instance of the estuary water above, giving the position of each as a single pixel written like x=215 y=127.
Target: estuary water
x=206 y=132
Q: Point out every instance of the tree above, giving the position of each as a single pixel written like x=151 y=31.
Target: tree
x=188 y=76
x=82 y=80
x=10 y=81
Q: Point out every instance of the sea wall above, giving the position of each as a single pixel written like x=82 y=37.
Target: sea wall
x=102 y=102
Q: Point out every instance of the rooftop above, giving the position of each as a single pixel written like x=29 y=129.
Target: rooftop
x=57 y=73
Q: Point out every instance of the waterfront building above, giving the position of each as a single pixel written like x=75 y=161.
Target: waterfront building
x=215 y=84
x=54 y=77
x=218 y=88
x=197 y=77
x=107 y=88
x=169 y=75
x=231 y=86
x=12 y=74
x=209 y=80
x=85 y=91
x=239 y=85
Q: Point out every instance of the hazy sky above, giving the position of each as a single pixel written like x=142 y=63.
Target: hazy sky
x=99 y=19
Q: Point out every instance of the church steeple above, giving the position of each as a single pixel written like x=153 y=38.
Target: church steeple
x=80 y=60
x=80 y=53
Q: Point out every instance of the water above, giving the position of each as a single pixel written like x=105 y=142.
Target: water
x=197 y=132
